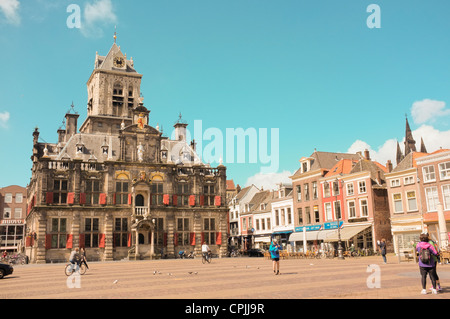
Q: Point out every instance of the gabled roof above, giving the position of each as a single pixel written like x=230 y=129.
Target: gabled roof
x=376 y=170
x=409 y=161
x=107 y=62
x=344 y=166
x=230 y=184
x=326 y=160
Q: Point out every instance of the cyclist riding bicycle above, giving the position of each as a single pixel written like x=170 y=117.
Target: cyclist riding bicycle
x=206 y=251
x=75 y=259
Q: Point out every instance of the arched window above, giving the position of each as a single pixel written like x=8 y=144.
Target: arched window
x=117 y=99
x=139 y=200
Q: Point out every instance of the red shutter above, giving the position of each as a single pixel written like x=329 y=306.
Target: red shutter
x=192 y=200
x=192 y=239
x=217 y=200
x=69 y=242
x=82 y=198
x=81 y=241
x=49 y=198
x=129 y=240
x=175 y=239
x=28 y=241
x=218 y=238
x=114 y=199
x=102 y=200
x=166 y=199
x=48 y=241
x=70 y=199
x=202 y=200
x=203 y=238
x=175 y=200
x=129 y=199
x=101 y=241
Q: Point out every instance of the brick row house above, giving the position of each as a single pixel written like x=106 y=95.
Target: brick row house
x=13 y=209
x=116 y=186
x=417 y=188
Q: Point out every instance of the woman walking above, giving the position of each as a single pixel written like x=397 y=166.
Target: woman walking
x=275 y=255
x=382 y=246
x=427 y=263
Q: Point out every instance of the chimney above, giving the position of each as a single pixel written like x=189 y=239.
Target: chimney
x=71 y=124
x=367 y=155
x=389 y=166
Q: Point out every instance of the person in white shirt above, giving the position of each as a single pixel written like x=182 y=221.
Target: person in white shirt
x=205 y=250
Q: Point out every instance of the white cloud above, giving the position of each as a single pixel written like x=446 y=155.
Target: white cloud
x=269 y=181
x=10 y=9
x=97 y=15
x=385 y=152
x=428 y=110
x=4 y=118
x=433 y=139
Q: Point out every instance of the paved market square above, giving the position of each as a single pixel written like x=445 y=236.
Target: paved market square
x=226 y=278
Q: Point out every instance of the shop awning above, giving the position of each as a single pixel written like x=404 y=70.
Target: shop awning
x=263 y=239
x=346 y=233
x=311 y=235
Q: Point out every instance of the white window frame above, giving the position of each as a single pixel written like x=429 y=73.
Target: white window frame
x=408 y=180
x=19 y=198
x=444 y=170
x=429 y=174
x=7 y=213
x=350 y=189
x=8 y=198
x=395 y=182
x=18 y=213
x=411 y=198
x=394 y=201
x=446 y=196
x=362 y=189
x=366 y=214
x=432 y=200
x=350 y=209
x=328 y=211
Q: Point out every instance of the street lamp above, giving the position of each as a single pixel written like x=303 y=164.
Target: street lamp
x=336 y=191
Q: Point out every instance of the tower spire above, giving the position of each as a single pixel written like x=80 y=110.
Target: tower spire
x=115 y=34
x=410 y=143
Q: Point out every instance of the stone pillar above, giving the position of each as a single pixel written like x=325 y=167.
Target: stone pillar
x=41 y=233
x=170 y=220
x=109 y=226
x=76 y=224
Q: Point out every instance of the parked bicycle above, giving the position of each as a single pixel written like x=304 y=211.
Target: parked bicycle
x=15 y=259
x=235 y=253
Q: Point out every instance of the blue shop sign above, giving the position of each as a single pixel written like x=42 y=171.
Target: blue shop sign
x=330 y=225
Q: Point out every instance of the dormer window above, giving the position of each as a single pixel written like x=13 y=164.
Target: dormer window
x=105 y=147
x=79 y=147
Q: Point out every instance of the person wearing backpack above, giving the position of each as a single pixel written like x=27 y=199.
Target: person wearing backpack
x=436 y=261
x=426 y=262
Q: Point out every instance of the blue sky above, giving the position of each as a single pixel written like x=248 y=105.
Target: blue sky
x=312 y=69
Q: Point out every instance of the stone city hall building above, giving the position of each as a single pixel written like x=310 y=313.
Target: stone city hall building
x=118 y=187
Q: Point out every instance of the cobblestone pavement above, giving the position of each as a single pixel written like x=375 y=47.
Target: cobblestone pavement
x=226 y=278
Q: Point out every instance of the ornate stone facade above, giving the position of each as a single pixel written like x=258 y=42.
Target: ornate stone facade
x=118 y=187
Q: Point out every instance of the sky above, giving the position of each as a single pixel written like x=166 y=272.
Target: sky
x=296 y=75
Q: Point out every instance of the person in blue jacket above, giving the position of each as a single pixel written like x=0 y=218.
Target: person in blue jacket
x=275 y=255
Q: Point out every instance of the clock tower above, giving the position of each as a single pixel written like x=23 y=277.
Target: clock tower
x=113 y=92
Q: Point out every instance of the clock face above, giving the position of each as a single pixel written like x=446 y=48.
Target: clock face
x=119 y=62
